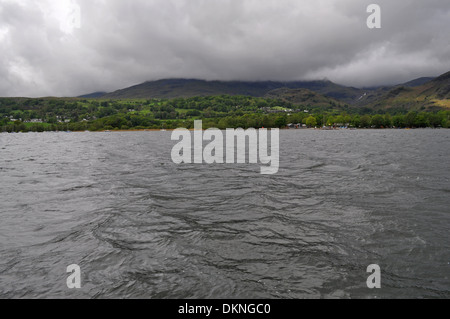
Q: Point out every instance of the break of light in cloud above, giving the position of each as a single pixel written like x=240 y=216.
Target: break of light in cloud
x=70 y=47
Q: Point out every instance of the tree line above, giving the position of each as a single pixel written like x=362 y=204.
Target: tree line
x=19 y=115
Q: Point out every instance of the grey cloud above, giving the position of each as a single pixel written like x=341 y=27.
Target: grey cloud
x=121 y=43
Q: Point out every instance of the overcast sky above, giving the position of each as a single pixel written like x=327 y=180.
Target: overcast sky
x=45 y=49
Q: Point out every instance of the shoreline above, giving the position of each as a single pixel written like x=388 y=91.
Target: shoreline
x=192 y=130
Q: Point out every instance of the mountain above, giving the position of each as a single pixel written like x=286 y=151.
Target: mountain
x=185 y=88
x=420 y=94
x=432 y=95
x=417 y=82
x=174 y=88
x=374 y=94
x=93 y=95
x=439 y=87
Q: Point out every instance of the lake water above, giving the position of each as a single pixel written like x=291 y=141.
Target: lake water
x=140 y=226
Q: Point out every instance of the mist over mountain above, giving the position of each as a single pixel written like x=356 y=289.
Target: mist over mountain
x=72 y=47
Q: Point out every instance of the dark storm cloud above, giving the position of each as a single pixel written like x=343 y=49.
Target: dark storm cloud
x=121 y=43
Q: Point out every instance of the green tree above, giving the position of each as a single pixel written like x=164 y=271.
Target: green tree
x=340 y=120
x=434 y=120
x=410 y=119
x=398 y=121
x=365 y=121
x=387 y=120
x=311 y=121
x=281 y=122
x=421 y=121
x=330 y=121
x=347 y=119
x=356 y=121
x=378 y=121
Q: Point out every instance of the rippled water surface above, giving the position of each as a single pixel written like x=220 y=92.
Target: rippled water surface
x=140 y=226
